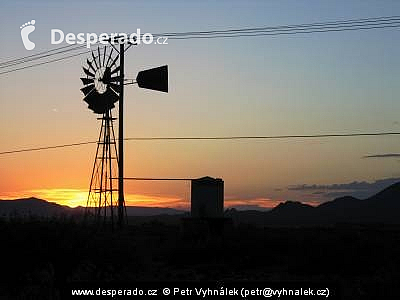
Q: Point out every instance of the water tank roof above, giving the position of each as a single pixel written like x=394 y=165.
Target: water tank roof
x=207 y=179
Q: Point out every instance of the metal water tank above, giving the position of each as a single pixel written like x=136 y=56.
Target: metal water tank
x=207 y=198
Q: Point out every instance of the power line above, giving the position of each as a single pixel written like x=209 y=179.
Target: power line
x=213 y=138
x=46 y=148
x=263 y=137
x=269 y=33
x=332 y=26
x=6 y=63
x=345 y=22
x=43 y=63
x=281 y=29
x=38 y=57
x=155 y=179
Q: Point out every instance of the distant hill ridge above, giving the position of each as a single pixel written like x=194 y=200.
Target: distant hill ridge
x=42 y=208
x=384 y=207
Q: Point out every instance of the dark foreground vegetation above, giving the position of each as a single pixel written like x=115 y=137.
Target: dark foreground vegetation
x=38 y=257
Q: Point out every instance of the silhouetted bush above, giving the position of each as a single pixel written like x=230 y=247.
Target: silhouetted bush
x=40 y=256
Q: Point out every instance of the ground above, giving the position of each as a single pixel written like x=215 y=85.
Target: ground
x=41 y=257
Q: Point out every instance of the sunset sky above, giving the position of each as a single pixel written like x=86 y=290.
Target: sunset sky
x=336 y=82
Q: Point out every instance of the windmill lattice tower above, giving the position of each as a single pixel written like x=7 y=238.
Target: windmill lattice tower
x=101 y=91
x=103 y=87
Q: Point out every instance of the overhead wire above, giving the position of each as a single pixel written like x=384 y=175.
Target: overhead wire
x=45 y=62
x=354 y=21
x=213 y=138
x=29 y=59
x=331 y=26
x=22 y=59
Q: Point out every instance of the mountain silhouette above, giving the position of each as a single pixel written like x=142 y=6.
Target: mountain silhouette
x=151 y=211
x=41 y=208
x=291 y=207
x=384 y=207
x=290 y=213
x=32 y=207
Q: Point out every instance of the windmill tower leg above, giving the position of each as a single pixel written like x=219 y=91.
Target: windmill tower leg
x=101 y=205
x=121 y=200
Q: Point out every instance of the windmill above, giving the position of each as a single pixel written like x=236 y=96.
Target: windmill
x=103 y=87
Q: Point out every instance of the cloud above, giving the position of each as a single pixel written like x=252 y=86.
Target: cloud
x=355 y=185
x=318 y=193
x=358 y=189
x=382 y=155
x=386 y=155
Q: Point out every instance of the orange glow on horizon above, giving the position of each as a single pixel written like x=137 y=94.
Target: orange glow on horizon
x=78 y=197
x=258 y=202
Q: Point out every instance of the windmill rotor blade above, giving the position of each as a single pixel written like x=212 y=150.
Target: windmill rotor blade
x=87 y=89
x=106 y=75
x=115 y=87
x=90 y=98
x=100 y=109
x=99 y=56
x=94 y=105
x=114 y=61
x=88 y=73
x=111 y=95
x=91 y=106
x=115 y=70
x=100 y=103
x=86 y=81
x=116 y=94
x=109 y=57
x=94 y=60
x=90 y=65
x=154 y=79
x=114 y=79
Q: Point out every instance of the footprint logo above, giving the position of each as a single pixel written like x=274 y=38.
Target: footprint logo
x=26 y=29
